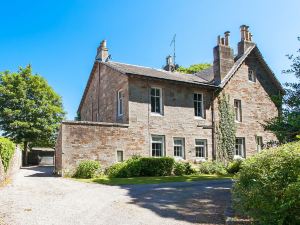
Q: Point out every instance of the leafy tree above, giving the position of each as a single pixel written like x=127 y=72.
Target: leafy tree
x=30 y=110
x=193 y=68
x=226 y=130
x=287 y=125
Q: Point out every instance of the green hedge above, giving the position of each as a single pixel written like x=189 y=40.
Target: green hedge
x=183 y=169
x=234 y=166
x=267 y=187
x=7 y=149
x=144 y=166
x=87 y=169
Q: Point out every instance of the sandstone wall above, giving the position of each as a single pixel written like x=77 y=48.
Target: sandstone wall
x=100 y=103
x=14 y=166
x=257 y=106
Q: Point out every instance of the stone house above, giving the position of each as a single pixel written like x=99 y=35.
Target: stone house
x=131 y=110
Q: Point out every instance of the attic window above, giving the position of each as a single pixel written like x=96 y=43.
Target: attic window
x=251 y=76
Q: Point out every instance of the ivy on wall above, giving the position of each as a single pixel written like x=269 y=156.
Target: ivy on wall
x=7 y=149
x=226 y=130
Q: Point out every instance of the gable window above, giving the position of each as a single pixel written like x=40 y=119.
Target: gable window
x=157 y=145
x=200 y=148
x=179 y=147
x=251 y=75
x=238 y=110
x=240 y=147
x=198 y=105
x=156 y=100
x=259 y=143
x=120 y=103
x=120 y=156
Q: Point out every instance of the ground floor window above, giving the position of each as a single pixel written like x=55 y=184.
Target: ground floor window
x=120 y=156
x=179 y=147
x=240 y=147
x=157 y=145
x=200 y=148
x=259 y=143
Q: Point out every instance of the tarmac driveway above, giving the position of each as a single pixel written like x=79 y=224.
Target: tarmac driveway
x=35 y=197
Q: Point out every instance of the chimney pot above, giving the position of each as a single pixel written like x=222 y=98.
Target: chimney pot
x=227 y=34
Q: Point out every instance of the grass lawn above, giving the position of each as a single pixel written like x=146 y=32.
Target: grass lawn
x=153 y=180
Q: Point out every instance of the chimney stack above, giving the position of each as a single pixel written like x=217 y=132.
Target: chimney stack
x=246 y=40
x=169 y=64
x=223 y=58
x=102 y=52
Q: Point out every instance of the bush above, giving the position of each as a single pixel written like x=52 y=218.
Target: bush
x=142 y=166
x=7 y=149
x=189 y=169
x=212 y=167
x=87 y=169
x=179 y=169
x=183 y=169
x=117 y=170
x=156 y=166
x=234 y=166
x=268 y=184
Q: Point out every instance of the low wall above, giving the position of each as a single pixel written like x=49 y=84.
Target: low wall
x=14 y=166
x=78 y=141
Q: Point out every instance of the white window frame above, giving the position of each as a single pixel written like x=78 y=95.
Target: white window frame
x=118 y=156
x=204 y=146
x=201 y=103
x=252 y=74
x=237 y=110
x=160 y=101
x=120 y=98
x=259 y=143
x=162 y=142
x=182 y=146
x=241 y=150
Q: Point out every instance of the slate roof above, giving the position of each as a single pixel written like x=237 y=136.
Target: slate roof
x=157 y=73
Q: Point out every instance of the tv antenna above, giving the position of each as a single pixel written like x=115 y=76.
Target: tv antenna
x=173 y=42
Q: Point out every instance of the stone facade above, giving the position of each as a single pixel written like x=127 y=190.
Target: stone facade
x=102 y=132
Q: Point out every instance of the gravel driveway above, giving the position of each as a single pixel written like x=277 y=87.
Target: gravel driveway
x=37 y=198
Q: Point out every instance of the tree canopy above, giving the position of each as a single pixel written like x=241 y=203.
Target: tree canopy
x=287 y=125
x=30 y=110
x=193 y=68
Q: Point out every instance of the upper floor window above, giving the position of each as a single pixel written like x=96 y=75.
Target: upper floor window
x=238 y=110
x=198 y=105
x=251 y=75
x=157 y=145
x=259 y=143
x=200 y=148
x=120 y=103
x=179 y=147
x=156 y=100
x=240 y=147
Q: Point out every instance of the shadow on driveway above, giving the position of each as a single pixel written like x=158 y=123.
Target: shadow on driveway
x=40 y=171
x=195 y=202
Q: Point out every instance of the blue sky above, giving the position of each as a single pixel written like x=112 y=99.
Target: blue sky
x=59 y=37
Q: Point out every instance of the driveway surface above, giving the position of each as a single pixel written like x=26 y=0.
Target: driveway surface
x=35 y=197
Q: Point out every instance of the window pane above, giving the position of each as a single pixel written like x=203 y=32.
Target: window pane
x=120 y=156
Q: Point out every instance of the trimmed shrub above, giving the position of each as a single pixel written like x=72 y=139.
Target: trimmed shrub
x=234 y=166
x=267 y=188
x=179 y=169
x=156 y=166
x=117 y=170
x=142 y=166
x=7 y=149
x=212 y=167
x=87 y=169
